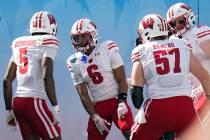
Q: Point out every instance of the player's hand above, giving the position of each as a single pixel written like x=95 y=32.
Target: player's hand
x=57 y=114
x=100 y=123
x=10 y=120
x=122 y=110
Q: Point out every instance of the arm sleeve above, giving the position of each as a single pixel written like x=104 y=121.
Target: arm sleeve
x=75 y=74
x=135 y=56
x=116 y=60
x=114 y=55
x=50 y=52
x=202 y=34
x=12 y=59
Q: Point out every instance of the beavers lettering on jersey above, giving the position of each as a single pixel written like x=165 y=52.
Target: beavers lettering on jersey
x=161 y=46
x=22 y=43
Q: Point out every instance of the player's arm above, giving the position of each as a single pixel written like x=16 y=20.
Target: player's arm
x=199 y=71
x=99 y=122
x=47 y=76
x=7 y=89
x=85 y=99
x=137 y=83
x=120 y=77
x=118 y=69
x=205 y=46
x=7 y=84
x=137 y=79
x=49 y=84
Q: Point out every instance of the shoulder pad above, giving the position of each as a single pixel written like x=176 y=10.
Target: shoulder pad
x=50 y=41
x=111 y=46
x=74 y=60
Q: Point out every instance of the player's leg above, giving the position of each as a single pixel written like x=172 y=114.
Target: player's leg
x=42 y=120
x=156 y=122
x=124 y=124
x=103 y=108
x=25 y=129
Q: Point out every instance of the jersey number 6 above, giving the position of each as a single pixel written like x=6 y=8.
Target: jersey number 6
x=96 y=76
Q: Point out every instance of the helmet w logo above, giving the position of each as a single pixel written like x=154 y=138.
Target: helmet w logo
x=148 y=23
x=51 y=19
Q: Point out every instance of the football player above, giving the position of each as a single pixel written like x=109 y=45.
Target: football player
x=32 y=64
x=163 y=65
x=99 y=69
x=181 y=20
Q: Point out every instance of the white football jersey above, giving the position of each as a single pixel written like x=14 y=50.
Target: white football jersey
x=96 y=70
x=166 y=67
x=195 y=36
x=28 y=52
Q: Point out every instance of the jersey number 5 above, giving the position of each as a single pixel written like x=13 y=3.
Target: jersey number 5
x=96 y=76
x=23 y=60
x=160 y=59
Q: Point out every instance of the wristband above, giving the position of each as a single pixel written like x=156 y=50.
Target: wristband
x=122 y=96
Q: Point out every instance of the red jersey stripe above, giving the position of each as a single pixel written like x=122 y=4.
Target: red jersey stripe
x=207 y=31
x=50 y=43
x=112 y=46
x=203 y=35
x=51 y=40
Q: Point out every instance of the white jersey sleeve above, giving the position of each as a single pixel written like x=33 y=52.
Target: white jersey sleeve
x=114 y=55
x=202 y=33
x=50 y=52
x=73 y=63
x=51 y=46
x=135 y=56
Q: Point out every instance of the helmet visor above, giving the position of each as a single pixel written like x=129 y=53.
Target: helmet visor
x=178 y=24
x=81 y=40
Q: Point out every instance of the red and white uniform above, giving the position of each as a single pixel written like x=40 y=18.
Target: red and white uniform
x=165 y=73
x=166 y=68
x=97 y=72
x=27 y=54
